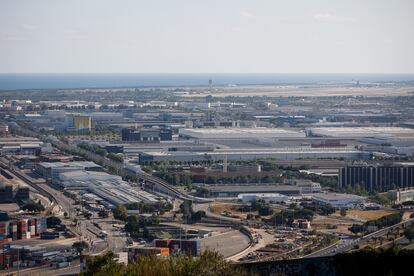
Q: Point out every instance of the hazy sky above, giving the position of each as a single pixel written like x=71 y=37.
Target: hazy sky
x=196 y=36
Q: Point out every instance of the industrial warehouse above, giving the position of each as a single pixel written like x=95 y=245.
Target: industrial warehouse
x=253 y=154
x=240 y=133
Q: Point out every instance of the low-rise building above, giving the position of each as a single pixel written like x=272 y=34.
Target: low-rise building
x=339 y=200
x=224 y=190
x=267 y=197
x=402 y=195
x=51 y=170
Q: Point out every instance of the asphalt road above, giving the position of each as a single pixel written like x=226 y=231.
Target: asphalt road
x=46 y=270
x=346 y=245
x=227 y=244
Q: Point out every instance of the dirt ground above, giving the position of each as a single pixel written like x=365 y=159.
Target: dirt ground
x=9 y=207
x=333 y=224
x=219 y=208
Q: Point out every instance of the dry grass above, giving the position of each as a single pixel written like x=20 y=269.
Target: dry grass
x=368 y=215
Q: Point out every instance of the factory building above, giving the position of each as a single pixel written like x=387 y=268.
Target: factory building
x=306 y=186
x=4 y=129
x=110 y=188
x=51 y=170
x=246 y=154
x=266 y=197
x=339 y=200
x=146 y=134
x=239 y=133
x=20 y=145
x=76 y=122
x=236 y=190
x=361 y=132
x=378 y=178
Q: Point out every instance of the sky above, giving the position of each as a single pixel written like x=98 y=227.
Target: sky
x=206 y=36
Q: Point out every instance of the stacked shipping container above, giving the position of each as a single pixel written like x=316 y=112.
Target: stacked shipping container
x=22 y=229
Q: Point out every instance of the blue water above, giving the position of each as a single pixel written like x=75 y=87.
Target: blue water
x=51 y=81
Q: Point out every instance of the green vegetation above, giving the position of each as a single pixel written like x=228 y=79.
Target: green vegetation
x=33 y=207
x=408 y=203
x=93 y=148
x=287 y=216
x=380 y=199
x=80 y=246
x=103 y=213
x=52 y=222
x=409 y=233
x=382 y=222
x=120 y=212
x=356 y=229
x=343 y=212
x=209 y=264
x=4 y=216
x=159 y=207
x=115 y=157
x=135 y=225
x=371 y=261
x=189 y=216
x=323 y=210
x=262 y=208
x=385 y=221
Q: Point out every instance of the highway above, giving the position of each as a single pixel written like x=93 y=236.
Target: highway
x=343 y=246
x=151 y=182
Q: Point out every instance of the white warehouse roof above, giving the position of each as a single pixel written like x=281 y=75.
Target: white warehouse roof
x=240 y=133
x=360 y=132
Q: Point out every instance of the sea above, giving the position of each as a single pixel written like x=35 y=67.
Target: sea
x=72 y=81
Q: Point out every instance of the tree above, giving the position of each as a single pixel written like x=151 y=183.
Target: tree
x=4 y=216
x=87 y=215
x=380 y=199
x=209 y=263
x=80 y=246
x=356 y=228
x=197 y=216
x=343 y=212
x=186 y=209
x=409 y=233
x=103 y=213
x=65 y=214
x=33 y=207
x=115 y=157
x=52 y=222
x=132 y=225
x=103 y=265
x=120 y=212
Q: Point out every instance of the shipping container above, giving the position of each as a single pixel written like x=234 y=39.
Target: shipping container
x=3 y=228
x=189 y=247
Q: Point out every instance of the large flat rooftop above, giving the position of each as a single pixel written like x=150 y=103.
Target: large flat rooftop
x=252 y=188
x=339 y=132
x=86 y=164
x=239 y=133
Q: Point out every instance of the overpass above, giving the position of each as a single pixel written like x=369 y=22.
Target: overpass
x=153 y=183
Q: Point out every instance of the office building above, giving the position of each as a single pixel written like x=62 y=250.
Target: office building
x=146 y=134
x=79 y=122
x=380 y=178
